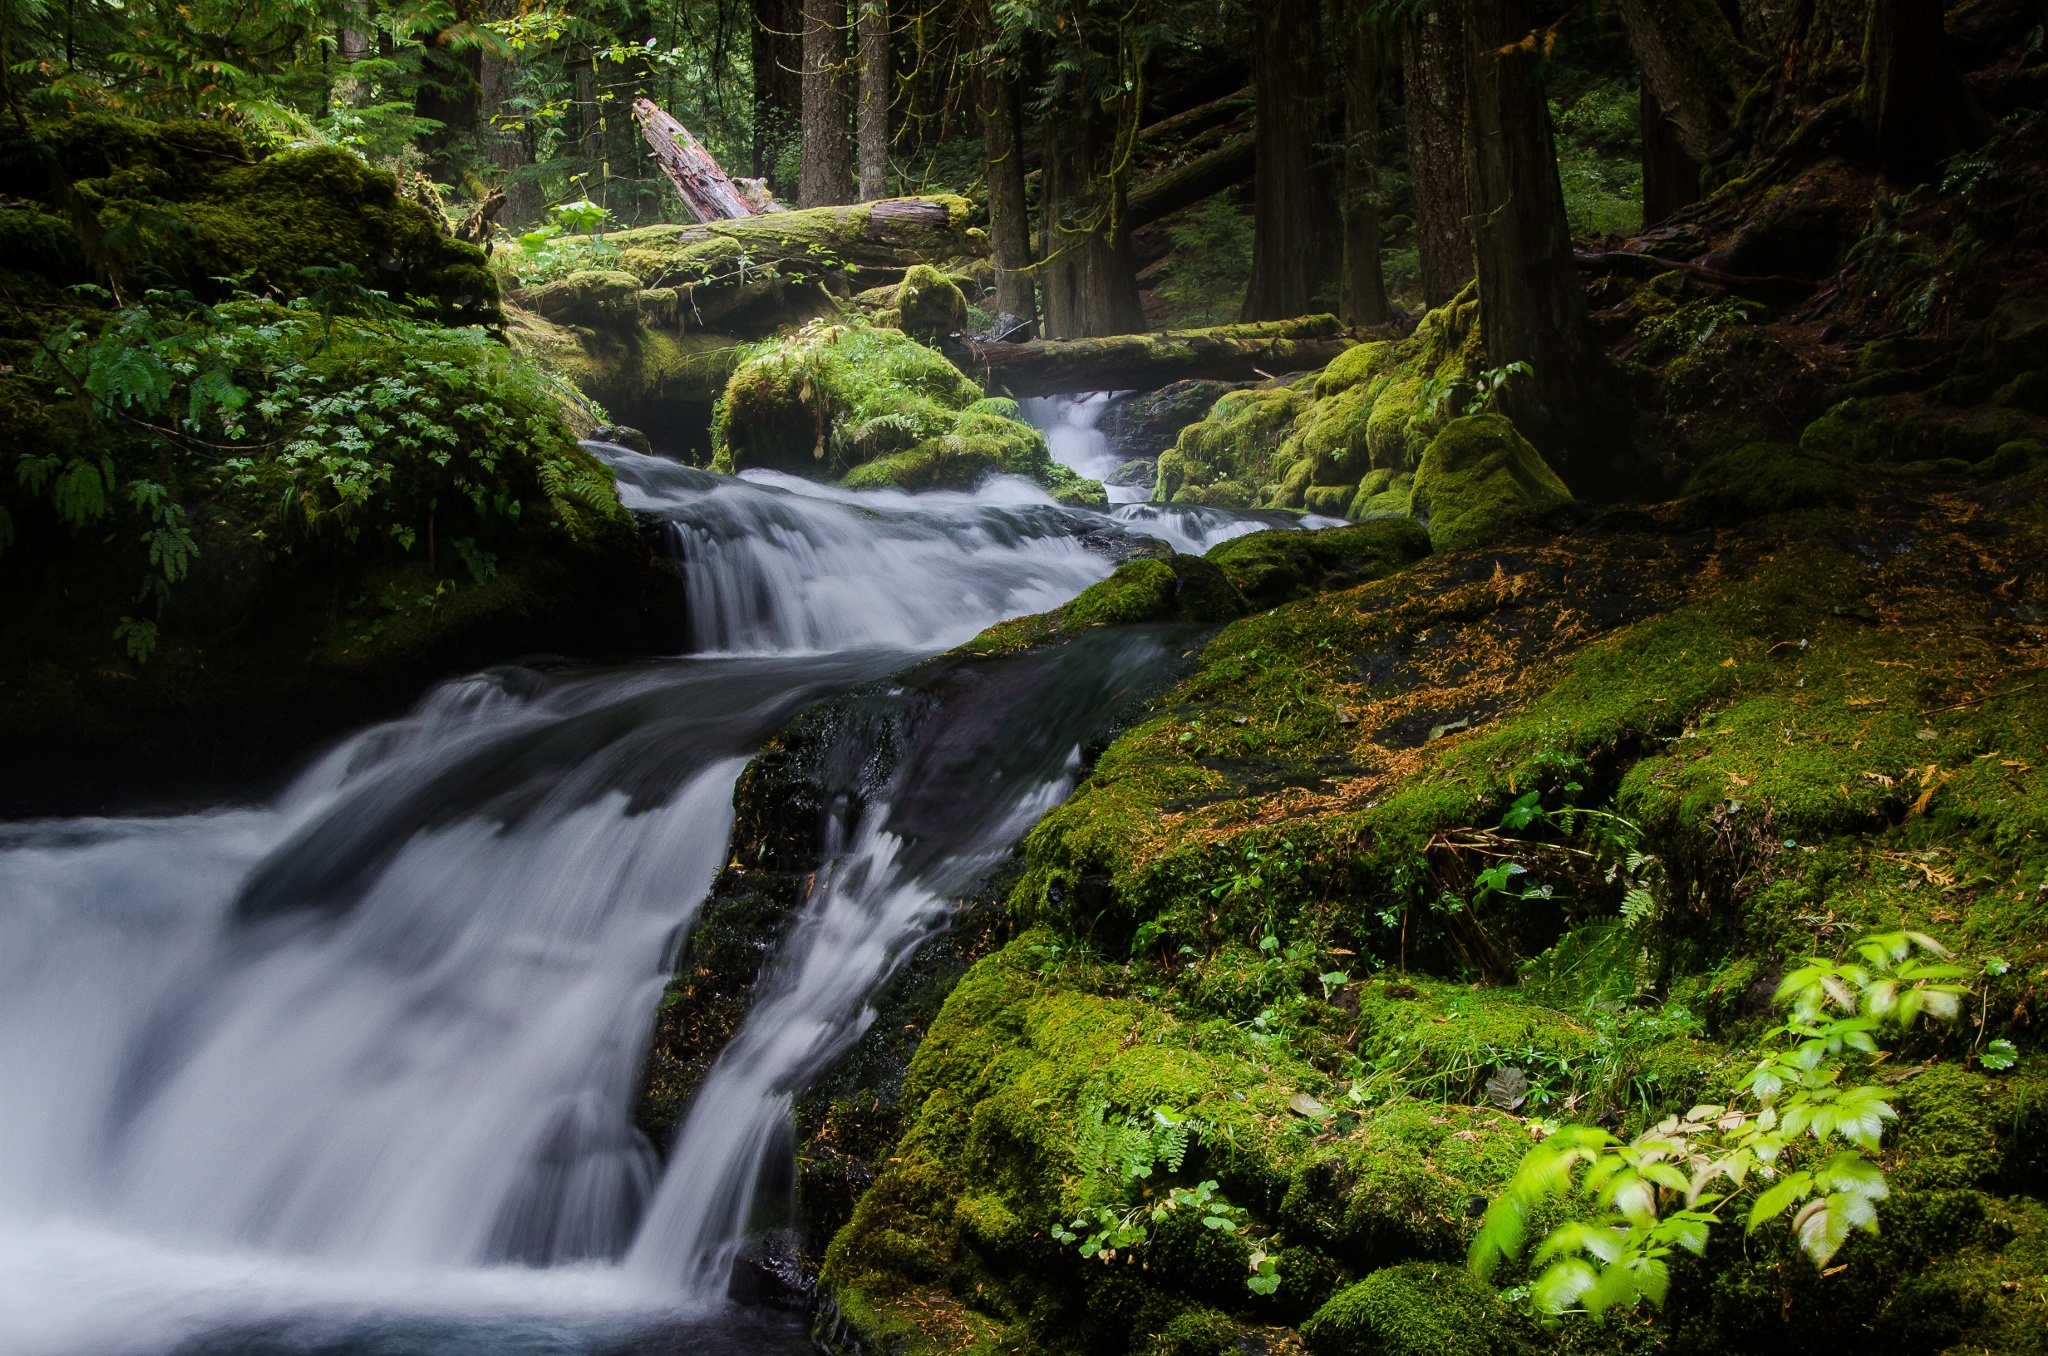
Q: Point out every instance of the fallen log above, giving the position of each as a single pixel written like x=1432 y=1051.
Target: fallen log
x=1183 y=186
x=704 y=188
x=857 y=241
x=1146 y=362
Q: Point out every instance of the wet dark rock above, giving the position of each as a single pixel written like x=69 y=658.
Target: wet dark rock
x=620 y=435
x=1142 y=426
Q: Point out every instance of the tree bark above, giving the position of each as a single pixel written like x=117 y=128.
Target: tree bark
x=1433 y=99
x=1362 y=292
x=1009 y=220
x=827 y=174
x=1531 y=307
x=875 y=94
x=778 y=60
x=1688 y=55
x=1913 y=101
x=1148 y=361
x=698 y=179
x=1290 y=246
x=1671 y=178
x=506 y=149
x=1086 y=282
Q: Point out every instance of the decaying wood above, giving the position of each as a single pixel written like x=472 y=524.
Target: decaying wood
x=704 y=188
x=1228 y=165
x=1144 y=362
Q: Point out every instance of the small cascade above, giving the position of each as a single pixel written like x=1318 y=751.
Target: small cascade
x=366 y=1054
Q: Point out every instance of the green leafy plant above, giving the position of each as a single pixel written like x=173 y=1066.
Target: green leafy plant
x=1117 y=1157
x=1796 y=1129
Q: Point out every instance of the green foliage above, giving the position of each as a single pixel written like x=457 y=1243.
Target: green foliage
x=1204 y=279
x=1652 y=1195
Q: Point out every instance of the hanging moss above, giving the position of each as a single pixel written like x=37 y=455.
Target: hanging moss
x=1479 y=479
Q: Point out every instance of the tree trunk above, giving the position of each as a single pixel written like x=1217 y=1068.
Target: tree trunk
x=1687 y=53
x=875 y=94
x=778 y=59
x=506 y=149
x=1531 y=307
x=1362 y=294
x=1912 y=101
x=827 y=176
x=450 y=92
x=1433 y=98
x=1087 y=284
x=1290 y=246
x=707 y=192
x=1671 y=178
x=1009 y=221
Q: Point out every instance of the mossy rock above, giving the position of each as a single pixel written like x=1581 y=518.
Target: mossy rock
x=1479 y=479
x=928 y=304
x=590 y=297
x=1200 y=1332
x=35 y=241
x=1861 y=431
x=1381 y=494
x=1763 y=478
x=1420 y=1309
x=1270 y=568
x=199 y=208
x=2013 y=458
x=1182 y=588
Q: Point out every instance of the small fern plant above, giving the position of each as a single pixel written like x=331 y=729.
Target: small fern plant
x=1117 y=1158
x=1798 y=1129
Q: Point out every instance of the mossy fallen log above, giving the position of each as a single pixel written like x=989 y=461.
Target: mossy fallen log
x=1148 y=361
x=1185 y=185
x=816 y=243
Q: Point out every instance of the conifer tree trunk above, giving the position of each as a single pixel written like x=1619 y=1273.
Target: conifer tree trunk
x=875 y=91
x=1671 y=178
x=1009 y=224
x=778 y=58
x=1531 y=307
x=1086 y=281
x=827 y=175
x=1687 y=52
x=1362 y=298
x=1913 y=102
x=1433 y=100
x=1293 y=210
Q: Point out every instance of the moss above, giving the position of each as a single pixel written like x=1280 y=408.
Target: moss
x=1862 y=431
x=1479 y=479
x=928 y=303
x=1421 y=1309
x=1380 y=494
x=1763 y=478
x=191 y=207
x=1270 y=568
x=1200 y=1332
x=592 y=297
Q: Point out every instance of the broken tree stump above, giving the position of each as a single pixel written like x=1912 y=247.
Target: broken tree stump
x=705 y=189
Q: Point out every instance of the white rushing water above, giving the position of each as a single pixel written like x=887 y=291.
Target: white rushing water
x=367 y=1053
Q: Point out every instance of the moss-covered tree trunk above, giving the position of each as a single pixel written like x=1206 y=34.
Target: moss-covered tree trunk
x=1294 y=199
x=1433 y=101
x=827 y=175
x=1009 y=221
x=1532 y=309
x=874 y=100
x=1688 y=54
x=778 y=58
x=1913 y=101
x=1671 y=178
x=1087 y=285
x=1362 y=294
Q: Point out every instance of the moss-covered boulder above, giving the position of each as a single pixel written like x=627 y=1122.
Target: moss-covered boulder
x=1270 y=568
x=928 y=304
x=1479 y=479
x=876 y=409
x=186 y=204
x=1171 y=587
x=1761 y=478
x=1382 y=493
x=1421 y=1309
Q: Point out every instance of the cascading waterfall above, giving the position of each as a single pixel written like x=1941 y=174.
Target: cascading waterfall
x=366 y=1054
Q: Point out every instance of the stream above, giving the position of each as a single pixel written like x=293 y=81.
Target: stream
x=352 y=1071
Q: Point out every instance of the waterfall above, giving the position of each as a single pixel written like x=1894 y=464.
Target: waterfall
x=365 y=1054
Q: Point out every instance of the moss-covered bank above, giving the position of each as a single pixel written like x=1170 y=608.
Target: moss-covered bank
x=1267 y=915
